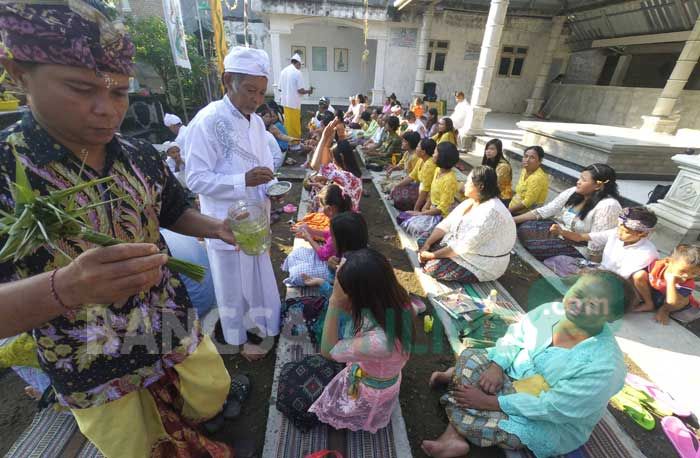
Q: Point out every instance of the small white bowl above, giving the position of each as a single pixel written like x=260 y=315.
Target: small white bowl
x=279 y=189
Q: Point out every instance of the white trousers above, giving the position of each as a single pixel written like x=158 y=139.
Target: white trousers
x=246 y=294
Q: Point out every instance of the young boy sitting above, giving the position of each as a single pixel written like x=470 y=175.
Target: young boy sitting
x=628 y=251
x=669 y=283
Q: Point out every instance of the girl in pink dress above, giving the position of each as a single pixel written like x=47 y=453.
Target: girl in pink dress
x=364 y=394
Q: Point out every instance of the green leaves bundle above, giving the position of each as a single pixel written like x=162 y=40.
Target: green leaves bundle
x=44 y=220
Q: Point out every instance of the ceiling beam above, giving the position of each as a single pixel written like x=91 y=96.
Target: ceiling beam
x=642 y=39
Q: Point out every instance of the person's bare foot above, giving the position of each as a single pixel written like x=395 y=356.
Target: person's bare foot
x=662 y=317
x=441 y=378
x=643 y=307
x=253 y=352
x=445 y=448
x=449 y=444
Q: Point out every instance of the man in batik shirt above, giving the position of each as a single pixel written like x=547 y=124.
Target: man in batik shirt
x=114 y=326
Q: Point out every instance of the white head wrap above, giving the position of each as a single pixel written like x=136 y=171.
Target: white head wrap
x=296 y=57
x=165 y=146
x=248 y=61
x=171 y=120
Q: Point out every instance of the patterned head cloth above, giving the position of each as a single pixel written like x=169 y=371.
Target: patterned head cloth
x=79 y=33
x=632 y=224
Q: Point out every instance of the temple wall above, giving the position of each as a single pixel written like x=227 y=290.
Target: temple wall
x=615 y=105
x=465 y=33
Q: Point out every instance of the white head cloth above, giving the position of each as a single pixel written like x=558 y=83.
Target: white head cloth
x=165 y=146
x=296 y=57
x=171 y=120
x=248 y=61
x=168 y=145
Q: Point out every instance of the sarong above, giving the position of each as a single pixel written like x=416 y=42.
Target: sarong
x=445 y=269
x=161 y=420
x=536 y=238
x=292 y=121
x=480 y=427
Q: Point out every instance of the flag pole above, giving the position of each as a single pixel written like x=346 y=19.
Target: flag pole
x=182 y=95
x=204 y=53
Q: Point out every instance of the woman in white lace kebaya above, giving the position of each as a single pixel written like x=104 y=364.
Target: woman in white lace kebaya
x=590 y=206
x=474 y=241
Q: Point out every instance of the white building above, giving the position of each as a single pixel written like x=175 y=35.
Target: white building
x=529 y=42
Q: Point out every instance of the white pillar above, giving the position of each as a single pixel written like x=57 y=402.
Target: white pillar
x=662 y=119
x=276 y=62
x=378 y=89
x=423 y=45
x=623 y=64
x=537 y=98
x=488 y=59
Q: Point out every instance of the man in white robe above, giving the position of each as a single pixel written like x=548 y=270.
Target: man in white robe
x=461 y=118
x=292 y=87
x=228 y=159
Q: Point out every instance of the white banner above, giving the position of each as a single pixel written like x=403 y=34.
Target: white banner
x=176 y=32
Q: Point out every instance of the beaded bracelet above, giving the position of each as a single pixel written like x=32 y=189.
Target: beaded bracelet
x=54 y=294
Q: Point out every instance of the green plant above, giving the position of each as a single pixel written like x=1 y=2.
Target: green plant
x=44 y=220
x=150 y=36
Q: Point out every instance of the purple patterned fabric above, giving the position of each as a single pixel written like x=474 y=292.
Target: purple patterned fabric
x=80 y=35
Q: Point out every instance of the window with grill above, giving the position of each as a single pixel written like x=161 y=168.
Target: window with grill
x=437 y=54
x=512 y=61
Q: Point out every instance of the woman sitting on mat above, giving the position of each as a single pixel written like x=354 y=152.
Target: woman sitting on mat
x=590 y=206
x=379 y=135
x=420 y=178
x=432 y=123
x=442 y=194
x=473 y=243
x=546 y=383
x=391 y=145
x=493 y=157
x=533 y=184
x=409 y=143
x=338 y=165
x=364 y=394
x=446 y=132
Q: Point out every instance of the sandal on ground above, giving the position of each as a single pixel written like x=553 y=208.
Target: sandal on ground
x=683 y=439
x=240 y=388
x=634 y=409
x=647 y=401
x=664 y=399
